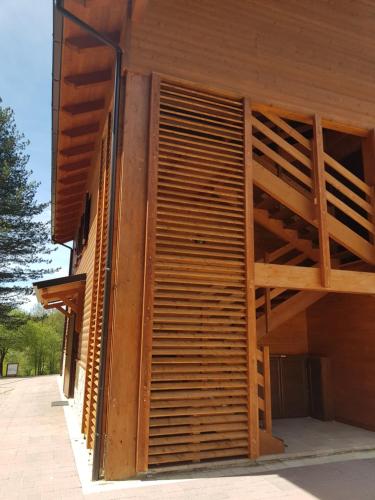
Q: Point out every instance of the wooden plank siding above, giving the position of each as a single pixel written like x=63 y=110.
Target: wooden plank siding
x=306 y=56
x=96 y=313
x=85 y=265
x=342 y=328
x=200 y=401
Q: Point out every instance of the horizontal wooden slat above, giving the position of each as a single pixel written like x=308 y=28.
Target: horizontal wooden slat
x=187 y=457
x=215 y=445
x=199 y=351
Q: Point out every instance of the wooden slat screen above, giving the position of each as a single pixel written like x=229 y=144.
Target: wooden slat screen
x=199 y=387
x=96 y=319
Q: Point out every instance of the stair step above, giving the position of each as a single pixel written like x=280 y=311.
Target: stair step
x=269 y=444
x=302 y=205
x=267 y=203
x=280 y=213
x=275 y=226
x=295 y=223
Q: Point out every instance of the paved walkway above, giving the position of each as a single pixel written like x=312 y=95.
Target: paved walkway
x=307 y=435
x=36 y=462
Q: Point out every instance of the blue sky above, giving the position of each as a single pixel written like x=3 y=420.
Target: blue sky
x=25 y=86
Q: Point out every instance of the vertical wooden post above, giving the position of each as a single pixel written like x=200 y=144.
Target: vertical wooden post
x=253 y=415
x=320 y=200
x=148 y=293
x=368 y=156
x=267 y=389
x=267 y=300
x=119 y=458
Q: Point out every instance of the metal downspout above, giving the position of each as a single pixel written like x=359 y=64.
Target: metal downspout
x=111 y=212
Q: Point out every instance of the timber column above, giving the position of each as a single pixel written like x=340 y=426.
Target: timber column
x=119 y=460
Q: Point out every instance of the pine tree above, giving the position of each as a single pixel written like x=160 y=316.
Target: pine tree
x=24 y=237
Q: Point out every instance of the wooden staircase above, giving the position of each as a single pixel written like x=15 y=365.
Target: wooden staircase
x=283 y=170
x=277 y=227
x=285 y=204
x=277 y=305
x=286 y=310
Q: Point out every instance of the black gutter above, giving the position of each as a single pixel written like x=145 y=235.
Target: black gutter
x=58 y=26
x=111 y=213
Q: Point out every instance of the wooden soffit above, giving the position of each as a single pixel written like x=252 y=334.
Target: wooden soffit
x=82 y=90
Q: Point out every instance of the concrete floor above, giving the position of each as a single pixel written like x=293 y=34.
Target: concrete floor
x=37 y=463
x=310 y=436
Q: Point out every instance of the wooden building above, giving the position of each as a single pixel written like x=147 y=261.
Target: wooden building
x=213 y=163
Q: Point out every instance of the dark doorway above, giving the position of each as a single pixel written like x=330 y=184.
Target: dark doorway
x=301 y=387
x=71 y=353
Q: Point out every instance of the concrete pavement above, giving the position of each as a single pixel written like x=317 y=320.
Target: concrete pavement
x=37 y=462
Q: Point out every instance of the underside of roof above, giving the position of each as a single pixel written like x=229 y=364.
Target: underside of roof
x=65 y=294
x=81 y=93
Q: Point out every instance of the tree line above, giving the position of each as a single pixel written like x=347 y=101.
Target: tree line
x=34 y=343
x=33 y=340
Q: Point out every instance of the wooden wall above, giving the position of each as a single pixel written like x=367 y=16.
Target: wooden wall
x=290 y=337
x=86 y=264
x=343 y=328
x=313 y=56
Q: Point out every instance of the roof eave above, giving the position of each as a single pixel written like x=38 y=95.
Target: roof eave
x=58 y=26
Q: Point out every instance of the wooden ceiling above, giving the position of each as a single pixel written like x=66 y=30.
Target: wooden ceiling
x=85 y=92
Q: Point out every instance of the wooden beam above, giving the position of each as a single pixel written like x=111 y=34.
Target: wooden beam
x=69 y=211
x=53 y=305
x=320 y=201
x=70 y=206
x=308 y=278
x=89 y=128
x=71 y=221
x=56 y=295
x=67 y=220
x=75 y=189
x=73 y=179
x=78 y=150
x=69 y=303
x=64 y=311
x=89 y=42
x=69 y=199
x=252 y=365
x=87 y=79
x=75 y=165
x=84 y=107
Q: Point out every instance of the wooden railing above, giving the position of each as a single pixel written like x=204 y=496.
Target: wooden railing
x=291 y=154
x=264 y=302
x=264 y=389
